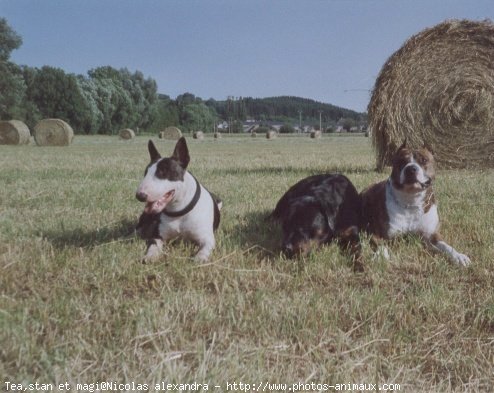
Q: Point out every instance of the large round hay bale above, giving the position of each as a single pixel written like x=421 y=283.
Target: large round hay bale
x=127 y=134
x=172 y=133
x=217 y=135
x=271 y=134
x=315 y=134
x=53 y=132
x=438 y=90
x=14 y=132
x=198 y=135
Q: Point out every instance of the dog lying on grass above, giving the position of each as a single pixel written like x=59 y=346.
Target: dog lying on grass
x=177 y=205
x=405 y=203
x=318 y=210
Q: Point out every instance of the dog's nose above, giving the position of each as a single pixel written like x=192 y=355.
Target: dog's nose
x=288 y=250
x=141 y=196
x=411 y=170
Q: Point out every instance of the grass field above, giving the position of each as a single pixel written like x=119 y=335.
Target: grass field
x=76 y=305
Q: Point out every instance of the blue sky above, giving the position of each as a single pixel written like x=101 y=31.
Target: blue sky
x=330 y=51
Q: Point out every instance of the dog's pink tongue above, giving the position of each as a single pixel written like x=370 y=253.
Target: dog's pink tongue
x=158 y=206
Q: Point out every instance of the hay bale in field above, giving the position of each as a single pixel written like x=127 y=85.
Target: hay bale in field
x=14 y=132
x=217 y=135
x=172 y=133
x=198 y=135
x=127 y=134
x=253 y=134
x=271 y=134
x=438 y=90
x=315 y=134
x=53 y=132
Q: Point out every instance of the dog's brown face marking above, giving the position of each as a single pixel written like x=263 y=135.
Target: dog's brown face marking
x=403 y=157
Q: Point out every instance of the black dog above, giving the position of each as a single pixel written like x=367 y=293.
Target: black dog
x=317 y=210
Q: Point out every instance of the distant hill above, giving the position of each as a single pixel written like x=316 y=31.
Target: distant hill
x=283 y=108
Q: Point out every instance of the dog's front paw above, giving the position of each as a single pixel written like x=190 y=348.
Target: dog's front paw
x=460 y=259
x=201 y=258
x=149 y=258
x=154 y=251
x=382 y=253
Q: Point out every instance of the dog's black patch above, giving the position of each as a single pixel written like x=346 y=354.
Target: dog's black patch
x=148 y=226
x=216 y=202
x=169 y=169
x=316 y=210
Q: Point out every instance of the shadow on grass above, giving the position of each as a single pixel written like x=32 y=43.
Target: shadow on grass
x=115 y=232
x=295 y=170
x=256 y=230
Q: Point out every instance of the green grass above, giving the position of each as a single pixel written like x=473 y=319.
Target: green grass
x=77 y=306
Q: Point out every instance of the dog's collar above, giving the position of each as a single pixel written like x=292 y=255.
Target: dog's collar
x=190 y=206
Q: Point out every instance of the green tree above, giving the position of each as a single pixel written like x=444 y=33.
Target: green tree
x=198 y=117
x=164 y=113
x=9 y=40
x=287 y=129
x=57 y=94
x=12 y=86
x=124 y=99
x=347 y=123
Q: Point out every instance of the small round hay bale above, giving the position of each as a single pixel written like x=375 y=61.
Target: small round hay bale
x=271 y=134
x=172 y=133
x=315 y=134
x=14 y=132
x=217 y=135
x=253 y=134
x=127 y=134
x=198 y=135
x=53 y=132
x=438 y=90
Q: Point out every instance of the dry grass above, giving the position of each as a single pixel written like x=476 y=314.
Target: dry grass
x=127 y=134
x=198 y=135
x=172 y=133
x=77 y=306
x=14 y=132
x=53 y=132
x=438 y=89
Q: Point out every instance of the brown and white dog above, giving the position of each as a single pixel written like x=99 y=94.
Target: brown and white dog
x=405 y=203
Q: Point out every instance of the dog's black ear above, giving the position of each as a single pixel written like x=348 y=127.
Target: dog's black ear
x=153 y=152
x=181 y=153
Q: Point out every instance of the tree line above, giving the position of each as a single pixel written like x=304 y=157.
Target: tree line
x=106 y=100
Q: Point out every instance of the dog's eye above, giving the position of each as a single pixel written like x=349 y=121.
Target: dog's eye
x=422 y=160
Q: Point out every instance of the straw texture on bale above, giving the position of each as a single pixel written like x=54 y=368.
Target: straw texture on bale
x=437 y=90
x=172 y=133
x=198 y=135
x=14 y=132
x=271 y=134
x=315 y=134
x=127 y=133
x=53 y=132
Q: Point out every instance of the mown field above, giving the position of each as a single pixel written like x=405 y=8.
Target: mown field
x=77 y=306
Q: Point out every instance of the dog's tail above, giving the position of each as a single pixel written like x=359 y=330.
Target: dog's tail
x=217 y=200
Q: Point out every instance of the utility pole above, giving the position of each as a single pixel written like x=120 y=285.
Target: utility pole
x=320 y=123
x=299 y=121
